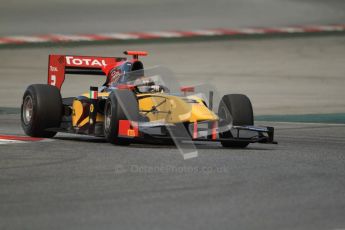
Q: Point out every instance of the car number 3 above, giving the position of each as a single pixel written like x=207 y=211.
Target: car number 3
x=53 y=80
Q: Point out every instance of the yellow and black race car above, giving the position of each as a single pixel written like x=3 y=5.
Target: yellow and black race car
x=135 y=105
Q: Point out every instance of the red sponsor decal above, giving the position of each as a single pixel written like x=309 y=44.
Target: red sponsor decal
x=128 y=128
x=58 y=63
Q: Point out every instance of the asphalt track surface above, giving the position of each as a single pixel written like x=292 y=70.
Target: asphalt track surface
x=77 y=182
x=19 y=17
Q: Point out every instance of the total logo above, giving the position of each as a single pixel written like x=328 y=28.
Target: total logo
x=53 y=68
x=70 y=60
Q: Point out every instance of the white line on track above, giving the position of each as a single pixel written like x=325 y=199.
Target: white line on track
x=4 y=142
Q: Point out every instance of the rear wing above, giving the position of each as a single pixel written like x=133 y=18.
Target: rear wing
x=60 y=65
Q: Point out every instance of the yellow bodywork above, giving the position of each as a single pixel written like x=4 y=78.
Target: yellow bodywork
x=78 y=108
x=169 y=109
x=174 y=109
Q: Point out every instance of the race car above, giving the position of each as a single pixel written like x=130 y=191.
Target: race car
x=134 y=105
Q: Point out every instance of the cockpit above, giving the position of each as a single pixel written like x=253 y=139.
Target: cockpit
x=126 y=72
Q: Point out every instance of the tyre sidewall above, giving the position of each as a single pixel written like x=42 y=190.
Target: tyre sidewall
x=47 y=110
x=241 y=112
x=117 y=100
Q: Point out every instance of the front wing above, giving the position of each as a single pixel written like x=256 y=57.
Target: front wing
x=160 y=131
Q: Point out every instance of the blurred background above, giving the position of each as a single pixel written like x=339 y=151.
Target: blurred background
x=87 y=16
x=282 y=76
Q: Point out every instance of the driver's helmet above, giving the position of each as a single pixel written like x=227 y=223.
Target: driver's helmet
x=126 y=72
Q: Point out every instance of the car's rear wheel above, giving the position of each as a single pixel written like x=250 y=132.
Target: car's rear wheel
x=235 y=109
x=121 y=105
x=41 y=109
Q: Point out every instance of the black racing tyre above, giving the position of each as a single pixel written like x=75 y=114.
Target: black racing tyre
x=41 y=109
x=121 y=105
x=235 y=109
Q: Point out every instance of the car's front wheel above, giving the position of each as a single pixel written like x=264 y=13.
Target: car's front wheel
x=235 y=109
x=121 y=105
